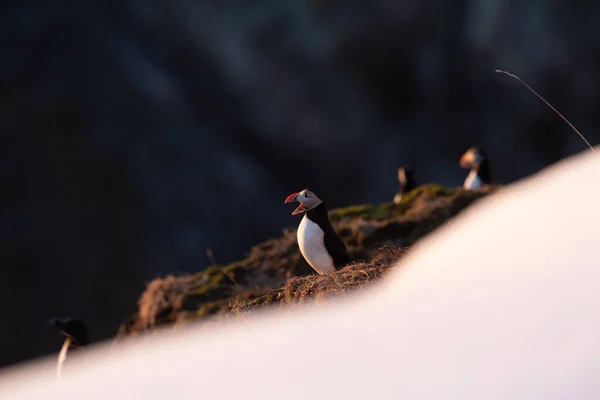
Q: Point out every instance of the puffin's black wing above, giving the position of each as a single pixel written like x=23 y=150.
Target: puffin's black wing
x=333 y=244
x=484 y=171
x=335 y=247
x=407 y=182
x=409 y=185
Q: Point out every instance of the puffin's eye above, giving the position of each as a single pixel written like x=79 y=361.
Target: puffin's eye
x=306 y=195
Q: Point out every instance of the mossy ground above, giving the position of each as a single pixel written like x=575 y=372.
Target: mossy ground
x=275 y=273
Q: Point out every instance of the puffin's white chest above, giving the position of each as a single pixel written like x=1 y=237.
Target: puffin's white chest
x=312 y=246
x=473 y=181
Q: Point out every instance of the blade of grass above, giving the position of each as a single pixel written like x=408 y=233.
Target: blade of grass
x=549 y=105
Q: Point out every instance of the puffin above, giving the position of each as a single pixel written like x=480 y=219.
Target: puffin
x=479 y=176
x=407 y=183
x=319 y=244
x=76 y=336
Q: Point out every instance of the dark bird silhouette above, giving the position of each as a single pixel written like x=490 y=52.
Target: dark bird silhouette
x=76 y=335
x=407 y=183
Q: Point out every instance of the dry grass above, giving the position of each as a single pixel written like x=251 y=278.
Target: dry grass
x=311 y=288
x=551 y=107
x=350 y=278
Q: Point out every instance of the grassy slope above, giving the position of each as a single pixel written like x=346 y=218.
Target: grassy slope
x=275 y=272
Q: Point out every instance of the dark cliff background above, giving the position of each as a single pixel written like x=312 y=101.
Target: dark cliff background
x=138 y=134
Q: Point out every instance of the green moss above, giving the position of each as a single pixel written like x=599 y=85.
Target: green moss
x=213 y=275
x=351 y=211
x=371 y=212
x=215 y=283
x=390 y=231
x=430 y=189
x=365 y=212
x=202 y=290
x=216 y=288
x=235 y=266
x=233 y=273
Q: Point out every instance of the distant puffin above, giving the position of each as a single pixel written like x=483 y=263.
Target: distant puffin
x=407 y=183
x=320 y=246
x=477 y=161
x=76 y=336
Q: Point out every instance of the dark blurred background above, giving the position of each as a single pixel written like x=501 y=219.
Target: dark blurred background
x=138 y=134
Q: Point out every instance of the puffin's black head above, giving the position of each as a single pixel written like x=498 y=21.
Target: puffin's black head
x=472 y=158
x=72 y=328
x=307 y=199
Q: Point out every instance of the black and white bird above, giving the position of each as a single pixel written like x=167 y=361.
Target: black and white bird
x=76 y=334
x=407 y=183
x=477 y=161
x=320 y=246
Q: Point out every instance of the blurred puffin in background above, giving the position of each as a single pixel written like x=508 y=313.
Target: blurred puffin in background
x=476 y=160
x=320 y=246
x=76 y=334
x=407 y=183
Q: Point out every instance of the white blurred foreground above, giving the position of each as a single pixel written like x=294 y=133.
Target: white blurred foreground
x=503 y=303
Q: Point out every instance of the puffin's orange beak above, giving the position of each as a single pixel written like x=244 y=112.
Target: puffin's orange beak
x=291 y=198
x=294 y=197
x=467 y=159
